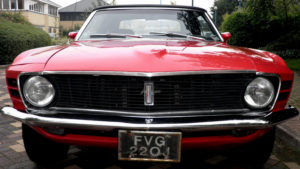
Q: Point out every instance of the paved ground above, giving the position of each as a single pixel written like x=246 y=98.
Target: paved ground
x=292 y=127
x=13 y=155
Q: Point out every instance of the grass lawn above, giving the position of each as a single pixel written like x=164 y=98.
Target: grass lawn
x=293 y=64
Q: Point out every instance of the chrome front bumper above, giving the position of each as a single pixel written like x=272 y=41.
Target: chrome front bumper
x=257 y=123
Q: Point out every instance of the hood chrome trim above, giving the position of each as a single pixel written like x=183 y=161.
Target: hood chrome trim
x=141 y=74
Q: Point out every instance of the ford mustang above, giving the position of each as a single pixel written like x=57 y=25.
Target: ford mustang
x=150 y=82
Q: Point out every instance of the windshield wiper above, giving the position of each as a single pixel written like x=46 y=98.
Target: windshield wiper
x=170 y=34
x=114 y=35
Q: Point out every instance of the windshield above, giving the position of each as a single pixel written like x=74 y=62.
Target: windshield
x=153 y=23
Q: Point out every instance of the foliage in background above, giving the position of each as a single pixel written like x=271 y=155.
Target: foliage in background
x=272 y=25
x=61 y=41
x=290 y=40
x=65 y=32
x=225 y=7
x=16 y=17
x=18 y=35
x=293 y=64
x=261 y=8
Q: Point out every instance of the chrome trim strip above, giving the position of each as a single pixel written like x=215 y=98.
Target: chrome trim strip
x=143 y=114
x=20 y=90
x=85 y=25
x=128 y=8
x=109 y=125
x=149 y=94
x=147 y=74
x=118 y=73
x=139 y=74
x=162 y=8
x=279 y=86
x=214 y=26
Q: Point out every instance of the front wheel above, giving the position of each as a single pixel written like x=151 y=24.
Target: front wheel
x=41 y=150
x=257 y=152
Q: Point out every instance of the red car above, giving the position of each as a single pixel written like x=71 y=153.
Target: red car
x=149 y=81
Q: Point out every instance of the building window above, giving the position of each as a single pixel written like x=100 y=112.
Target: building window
x=73 y=16
x=21 y=4
x=12 y=3
x=52 y=10
x=37 y=7
x=50 y=29
x=5 y=4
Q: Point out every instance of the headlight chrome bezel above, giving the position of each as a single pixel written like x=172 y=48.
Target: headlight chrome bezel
x=269 y=85
x=44 y=102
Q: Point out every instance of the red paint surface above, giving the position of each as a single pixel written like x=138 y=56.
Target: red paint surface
x=73 y=35
x=147 y=55
x=226 y=36
x=156 y=56
x=186 y=143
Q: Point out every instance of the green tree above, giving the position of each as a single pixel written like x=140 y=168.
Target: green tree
x=261 y=8
x=269 y=24
x=285 y=8
x=279 y=8
x=225 y=6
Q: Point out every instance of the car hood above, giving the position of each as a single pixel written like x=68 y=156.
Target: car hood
x=149 y=55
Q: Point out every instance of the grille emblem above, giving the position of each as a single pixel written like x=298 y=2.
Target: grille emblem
x=148 y=121
x=149 y=94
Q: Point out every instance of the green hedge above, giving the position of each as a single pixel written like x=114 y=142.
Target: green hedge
x=286 y=46
x=17 y=35
x=293 y=64
x=287 y=54
x=251 y=31
x=269 y=33
x=238 y=25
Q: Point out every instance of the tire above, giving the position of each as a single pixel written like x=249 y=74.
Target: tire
x=41 y=150
x=257 y=152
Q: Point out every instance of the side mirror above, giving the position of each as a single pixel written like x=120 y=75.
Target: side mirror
x=73 y=35
x=226 y=36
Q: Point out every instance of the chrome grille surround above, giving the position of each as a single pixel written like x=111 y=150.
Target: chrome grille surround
x=52 y=110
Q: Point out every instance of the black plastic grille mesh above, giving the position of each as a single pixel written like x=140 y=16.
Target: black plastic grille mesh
x=172 y=93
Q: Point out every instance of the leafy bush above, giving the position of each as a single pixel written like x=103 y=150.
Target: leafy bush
x=293 y=64
x=225 y=7
x=251 y=31
x=272 y=25
x=17 y=35
x=15 y=17
x=288 y=41
x=287 y=45
x=288 y=53
x=238 y=25
x=60 y=41
x=65 y=32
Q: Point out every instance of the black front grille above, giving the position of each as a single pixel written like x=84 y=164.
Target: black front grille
x=172 y=93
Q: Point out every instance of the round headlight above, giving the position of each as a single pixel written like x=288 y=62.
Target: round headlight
x=259 y=93
x=38 y=91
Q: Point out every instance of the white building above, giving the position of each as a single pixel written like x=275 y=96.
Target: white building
x=41 y=13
